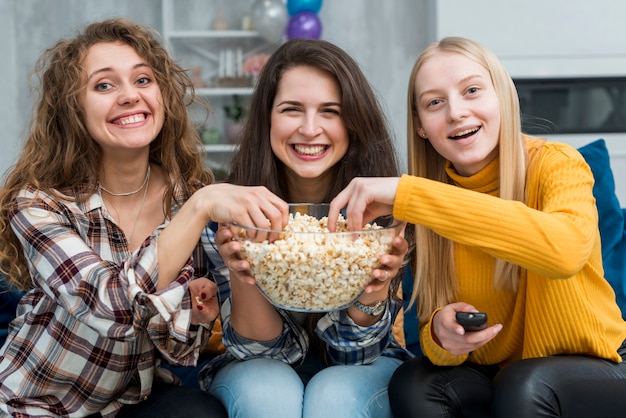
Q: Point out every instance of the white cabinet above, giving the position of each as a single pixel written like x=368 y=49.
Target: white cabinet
x=539 y=38
x=214 y=54
x=564 y=39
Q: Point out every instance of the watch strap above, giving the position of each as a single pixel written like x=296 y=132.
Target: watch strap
x=375 y=309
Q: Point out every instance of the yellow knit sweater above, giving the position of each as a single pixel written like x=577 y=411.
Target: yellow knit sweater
x=563 y=305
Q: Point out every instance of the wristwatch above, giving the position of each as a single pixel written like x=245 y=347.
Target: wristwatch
x=376 y=309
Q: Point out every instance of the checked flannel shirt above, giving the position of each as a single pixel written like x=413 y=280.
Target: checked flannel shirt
x=91 y=333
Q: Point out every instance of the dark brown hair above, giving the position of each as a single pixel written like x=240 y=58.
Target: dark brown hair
x=371 y=150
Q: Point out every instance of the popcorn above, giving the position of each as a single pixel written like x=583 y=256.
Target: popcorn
x=311 y=269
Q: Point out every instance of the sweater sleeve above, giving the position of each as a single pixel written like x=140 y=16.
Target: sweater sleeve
x=436 y=353
x=553 y=240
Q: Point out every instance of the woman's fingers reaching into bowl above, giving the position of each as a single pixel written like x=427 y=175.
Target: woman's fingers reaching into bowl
x=364 y=199
x=246 y=205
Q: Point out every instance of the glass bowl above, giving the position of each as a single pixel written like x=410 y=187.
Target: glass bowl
x=308 y=268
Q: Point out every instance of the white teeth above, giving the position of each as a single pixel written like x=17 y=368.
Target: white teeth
x=132 y=119
x=469 y=131
x=312 y=150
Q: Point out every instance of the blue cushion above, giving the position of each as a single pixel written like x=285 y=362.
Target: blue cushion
x=411 y=325
x=611 y=218
x=8 y=302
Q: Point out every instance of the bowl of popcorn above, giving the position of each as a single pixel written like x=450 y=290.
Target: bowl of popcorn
x=310 y=269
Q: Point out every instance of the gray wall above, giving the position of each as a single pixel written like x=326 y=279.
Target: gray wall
x=383 y=36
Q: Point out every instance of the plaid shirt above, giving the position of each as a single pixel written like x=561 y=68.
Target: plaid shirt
x=91 y=333
x=346 y=342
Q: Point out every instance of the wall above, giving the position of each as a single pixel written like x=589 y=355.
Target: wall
x=9 y=86
x=539 y=38
x=29 y=26
x=363 y=27
x=532 y=37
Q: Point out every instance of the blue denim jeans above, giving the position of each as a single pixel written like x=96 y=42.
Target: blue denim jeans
x=263 y=388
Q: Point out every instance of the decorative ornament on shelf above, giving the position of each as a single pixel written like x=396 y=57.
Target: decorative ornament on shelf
x=268 y=18
x=246 y=22
x=196 y=77
x=235 y=118
x=230 y=69
x=304 y=22
x=210 y=136
x=253 y=65
x=219 y=23
x=235 y=111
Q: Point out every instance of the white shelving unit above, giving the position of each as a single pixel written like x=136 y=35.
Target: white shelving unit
x=214 y=58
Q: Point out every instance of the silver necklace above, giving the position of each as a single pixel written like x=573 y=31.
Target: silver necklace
x=145 y=181
x=141 y=205
x=143 y=200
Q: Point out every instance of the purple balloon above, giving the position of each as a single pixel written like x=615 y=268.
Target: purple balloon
x=296 y=6
x=304 y=25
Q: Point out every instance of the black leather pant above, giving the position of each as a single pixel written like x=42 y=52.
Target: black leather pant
x=558 y=386
x=170 y=401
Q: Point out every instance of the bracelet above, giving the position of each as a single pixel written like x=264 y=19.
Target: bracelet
x=376 y=309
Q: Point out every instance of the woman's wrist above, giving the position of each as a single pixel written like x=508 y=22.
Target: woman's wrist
x=374 y=309
x=368 y=309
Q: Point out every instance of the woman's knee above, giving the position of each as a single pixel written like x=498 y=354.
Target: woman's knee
x=418 y=389
x=560 y=386
x=331 y=386
x=258 y=385
x=409 y=380
x=521 y=386
x=355 y=391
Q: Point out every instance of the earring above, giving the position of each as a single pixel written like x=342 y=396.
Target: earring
x=422 y=133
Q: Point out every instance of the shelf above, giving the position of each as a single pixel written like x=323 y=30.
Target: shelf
x=220 y=148
x=214 y=60
x=215 y=34
x=224 y=91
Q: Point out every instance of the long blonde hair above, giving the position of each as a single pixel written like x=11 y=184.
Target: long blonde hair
x=59 y=153
x=435 y=282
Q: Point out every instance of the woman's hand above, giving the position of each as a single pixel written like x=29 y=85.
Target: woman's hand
x=365 y=199
x=246 y=205
x=252 y=315
x=204 y=303
x=452 y=336
x=390 y=265
x=221 y=203
x=229 y=249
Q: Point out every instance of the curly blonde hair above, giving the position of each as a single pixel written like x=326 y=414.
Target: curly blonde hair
x=59 y=153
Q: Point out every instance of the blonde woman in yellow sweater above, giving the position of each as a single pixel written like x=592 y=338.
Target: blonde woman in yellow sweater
x=505 y=224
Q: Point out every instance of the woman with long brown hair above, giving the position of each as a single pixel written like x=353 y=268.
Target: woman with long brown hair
x=100 y=225
x=315 y=123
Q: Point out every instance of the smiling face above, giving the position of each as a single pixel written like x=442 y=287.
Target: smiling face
x=122 y=103
x=307 y=131
x=458 y=111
